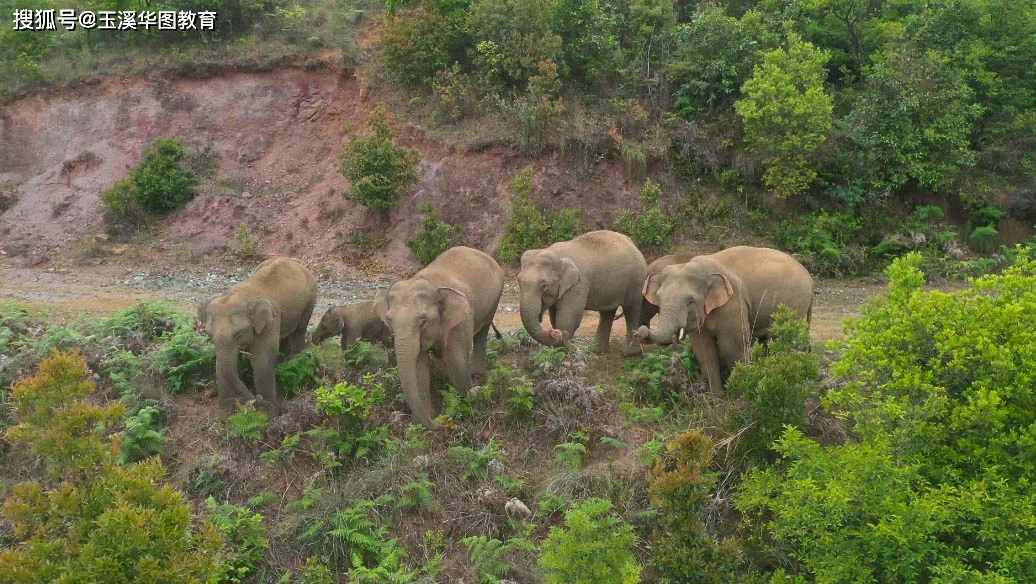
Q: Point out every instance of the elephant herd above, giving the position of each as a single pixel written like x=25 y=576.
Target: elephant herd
x=721 y=302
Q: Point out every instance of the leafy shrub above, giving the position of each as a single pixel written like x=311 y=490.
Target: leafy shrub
x=681 y=488
x=651 y=380
x=824 y=240
x=379 y=172
x=142 y=438
x=527 y=225
x=298 y=373
x=247 y=245
x=776 y=382
x=563 y=224
x=243 y=531
x=435 y=236
x=474 y=462
x=185 y=355
x=356 y=539
x=488 y=555
x=935 y=384
x=417 y=44
x=594 y=547
x=351 y=401
x=248 y=423
x=161 y=183
x=100 y=520
x=651 y=227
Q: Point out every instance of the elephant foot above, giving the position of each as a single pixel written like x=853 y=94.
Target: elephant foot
x=631 y=348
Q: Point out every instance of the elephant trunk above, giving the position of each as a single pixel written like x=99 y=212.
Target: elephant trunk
x=532 y=313
x=668 y=327
x=227 y=381
x=408 y=357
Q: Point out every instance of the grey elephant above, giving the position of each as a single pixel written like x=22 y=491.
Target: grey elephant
x=447 y=307
x=599 y=270
x=354 y=322
x=265 y=315
x=647 y=309
x=724 y=300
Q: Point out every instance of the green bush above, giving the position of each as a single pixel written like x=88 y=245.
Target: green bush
x=435 y=236
x=939 y=387
x=775 y=382
x=379 y=172
x=527 y=226
x=594 y=547
x=350 y=401
x=298 y=373
x=418 y=44
x=650 y=227
x=248 y=423
x=650 y=381
x=824 y=240
x=142 y=438
x=159 y=184
x=681 y=488
x=562 y=224
x=185 y=356
x=243 y=531
x=94 y=520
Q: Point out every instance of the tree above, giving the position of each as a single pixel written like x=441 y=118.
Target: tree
x=787 y=114
x=379 y=172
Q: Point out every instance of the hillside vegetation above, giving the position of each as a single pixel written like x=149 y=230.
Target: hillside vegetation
x=902 y=454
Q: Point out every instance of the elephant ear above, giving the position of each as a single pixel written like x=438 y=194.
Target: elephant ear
x=651 y=286
x=569 y=276
x=260 y=313
x=380 y=304
x=719 y=292
x=202 y=313
x=454 y=310
x=335 y=319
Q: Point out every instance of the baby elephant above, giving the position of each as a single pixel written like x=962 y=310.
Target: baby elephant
x=354 y=322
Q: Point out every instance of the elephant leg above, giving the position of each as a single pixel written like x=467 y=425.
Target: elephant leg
x=733 y=349
x=569 y=310
x=264 y=369
x=553 y=314
x=631 y=345
x=604 y=331
x=424 y=383
x=705 y=351
x=647 y=312
x=457 y=355
x=478 y=353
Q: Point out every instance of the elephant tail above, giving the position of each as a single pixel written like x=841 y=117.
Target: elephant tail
x=496 y=331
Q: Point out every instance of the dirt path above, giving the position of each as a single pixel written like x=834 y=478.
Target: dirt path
x=65 y=294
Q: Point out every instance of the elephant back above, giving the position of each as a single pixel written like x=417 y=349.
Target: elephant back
x=769 y=277
x=470 y=271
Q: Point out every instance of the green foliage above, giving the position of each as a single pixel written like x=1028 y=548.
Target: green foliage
x=350 y=401
x=247 y=245
x=776 y=381
x=562 y=224
x=650 y=227
x=551 y=503
x=512 y=37
x=95 y=518
x=681 y=488
x=787 y=114
x=488 y=555
x=474 y=462
x=380 y=173
x=244 y=534
x=298 y=373
x=572 y=454
x=248 y=423
x=824 y=239
x=649 y=380
x=161 y=183
x=362 y=353
x=357 y=539
x=418 y=44
x=527 y=225
x=935 y=384
x=435 y=236
x=593 y=547
x=455 y=407
x=142 y=439
x=417 y=494
x=185 y=354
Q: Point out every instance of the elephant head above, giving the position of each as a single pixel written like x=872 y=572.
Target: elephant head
x=331 y=324
x=236 y=323
x=544 y=279
x=686 y=295
x=421 y=315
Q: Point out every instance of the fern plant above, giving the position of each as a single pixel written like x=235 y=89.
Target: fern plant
x=417 y=494
x=488 y=555
x=142 y=439
x=248 y=423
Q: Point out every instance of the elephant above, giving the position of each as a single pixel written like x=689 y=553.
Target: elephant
x=599 y=270
x=724 y=300
x=648 y=310
x=264 y=315
x=448 y=308
x=353 y=322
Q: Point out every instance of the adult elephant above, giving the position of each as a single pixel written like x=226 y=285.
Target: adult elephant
x=446 y=307
x=264 y=315
x=647 y=309
x=724 y=300
x=599 y=270
x=354 y=322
